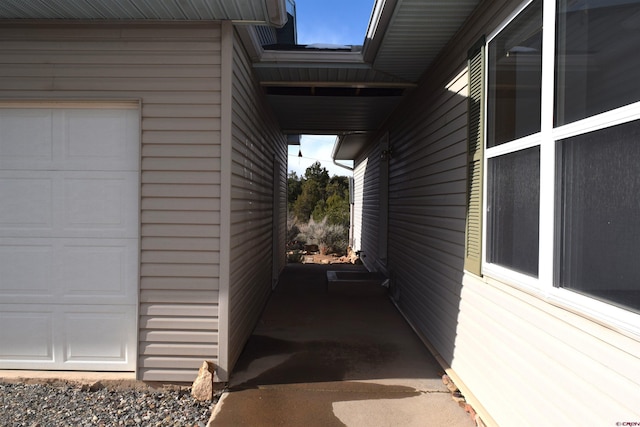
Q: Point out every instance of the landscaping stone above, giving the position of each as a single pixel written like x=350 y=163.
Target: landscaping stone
x=202 y=388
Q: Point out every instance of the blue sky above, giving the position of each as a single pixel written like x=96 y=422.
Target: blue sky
x=341 y=22
x=333 y=21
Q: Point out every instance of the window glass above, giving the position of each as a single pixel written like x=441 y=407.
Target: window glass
x=514 y=77
x=599 y=208
x=597 y=59
x=514 y=210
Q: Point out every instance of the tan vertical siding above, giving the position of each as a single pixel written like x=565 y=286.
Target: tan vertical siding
x=256 y=144
x=367 y=205
x=174 y=70
x=427 y=195
x=521 y=360
x=531 y=363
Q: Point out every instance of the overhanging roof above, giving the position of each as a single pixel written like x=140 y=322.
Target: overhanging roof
x=267 y=12
x=403 y=39
x=349 y=92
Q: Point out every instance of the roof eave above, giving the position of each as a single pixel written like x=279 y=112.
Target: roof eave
x=378 y=23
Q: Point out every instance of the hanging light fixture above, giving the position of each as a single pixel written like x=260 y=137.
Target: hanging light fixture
x=299 y=152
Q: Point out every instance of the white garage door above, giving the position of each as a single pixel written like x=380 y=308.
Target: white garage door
x=68 y=236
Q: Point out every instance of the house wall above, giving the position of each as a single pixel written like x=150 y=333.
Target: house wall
x=367 y=205
x=519 y=359
x=258 y=172
x=174 y=71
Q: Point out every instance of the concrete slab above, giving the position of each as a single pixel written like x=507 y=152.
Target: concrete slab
x=334 y=359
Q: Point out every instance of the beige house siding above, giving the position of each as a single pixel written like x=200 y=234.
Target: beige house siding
x=256 y=146
x=366 y=176
x=519 y=359
x=174 y=71
x=532 y=363
x=427 y=196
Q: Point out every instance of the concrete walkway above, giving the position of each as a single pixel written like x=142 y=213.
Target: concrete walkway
x=341 y=357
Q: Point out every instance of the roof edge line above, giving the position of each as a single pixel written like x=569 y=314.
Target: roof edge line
x=284 y=57
x=380 y=18
x=318 y=83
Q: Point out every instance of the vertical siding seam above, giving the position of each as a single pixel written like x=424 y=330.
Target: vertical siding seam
x=255 y=140
x=137 y=351
x=226 y=60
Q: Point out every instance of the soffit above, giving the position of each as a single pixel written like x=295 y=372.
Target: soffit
x=403 y=40
x=416 y=34
x=327 y=74
x=254 y=11
x=330 y=115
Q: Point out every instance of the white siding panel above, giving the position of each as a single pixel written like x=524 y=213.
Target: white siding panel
x=579 y=372
x=174 y=71
x=161 y=150
x=191 y=137
x=520 y=359
x=367 y=205
x=195 y=350
x=164 y=177
x=257 y=145
x=193 y=283
x=174 y=257
x=427 y=195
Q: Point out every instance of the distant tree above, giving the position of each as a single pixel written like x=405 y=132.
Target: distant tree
x=294 y=188
x=338 y=185
x=312 y=192
x=317 y=202
x=314 y=189
x=317 y=173
x=337 y=210
x=319 y=210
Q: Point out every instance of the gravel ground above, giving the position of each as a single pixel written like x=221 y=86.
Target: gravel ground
x=75 y=405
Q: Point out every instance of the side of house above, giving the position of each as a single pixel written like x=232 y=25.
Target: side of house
x=366 y=206
x=118 y=147
x=523 y=351
x=255 y=167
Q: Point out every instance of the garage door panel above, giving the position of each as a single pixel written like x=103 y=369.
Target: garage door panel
x=68 y=271
x=26 y=335
x=27 y=202
x=99 y=139
x=69 y=139
x=67 y=337
x=69 y=236
x=19 y=279
x=26 y=138
x=100 y=204
x=80 y=344
x=69 y=204
x=103 y=273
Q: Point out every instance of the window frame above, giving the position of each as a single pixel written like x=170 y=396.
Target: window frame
x=543 y=285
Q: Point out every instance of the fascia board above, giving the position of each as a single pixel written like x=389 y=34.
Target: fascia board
x=311 y=57
x=381 y=15
x=251 y=42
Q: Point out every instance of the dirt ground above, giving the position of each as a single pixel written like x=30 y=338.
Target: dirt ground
x=324 y=259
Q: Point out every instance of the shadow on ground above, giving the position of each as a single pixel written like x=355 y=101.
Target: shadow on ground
x=322 y=357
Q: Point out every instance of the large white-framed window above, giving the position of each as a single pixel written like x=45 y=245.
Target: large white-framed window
x=562 y=155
